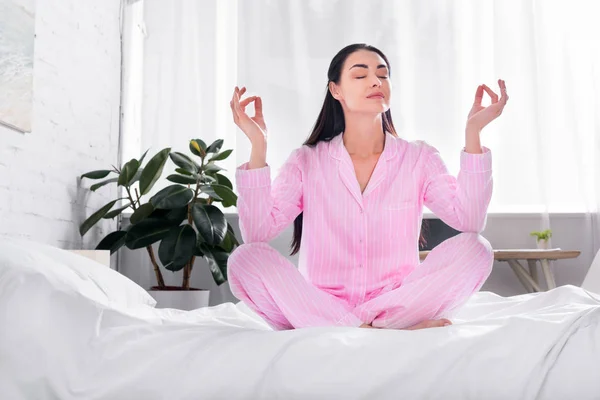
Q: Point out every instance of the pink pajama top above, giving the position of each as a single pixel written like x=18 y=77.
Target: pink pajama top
x=355 y=244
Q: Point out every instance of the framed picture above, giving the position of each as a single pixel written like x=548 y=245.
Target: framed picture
x=17 y=33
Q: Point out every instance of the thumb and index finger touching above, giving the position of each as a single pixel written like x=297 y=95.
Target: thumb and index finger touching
x=494 y=97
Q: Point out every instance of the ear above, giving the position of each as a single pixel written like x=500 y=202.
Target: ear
x=334 y=91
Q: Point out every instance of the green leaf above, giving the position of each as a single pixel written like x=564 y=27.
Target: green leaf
x=113 y=241
x=137 y=176
x=174 y=216
x=98 y=185
x=177 y=215
x=147 y=232
x=210 y=223
x=116 y=212
x=184 y=171
x=217 y=262
x=227 y=244
x=224 y=181
x=215 y=147
x=184 y=180
x=230 y=228
x=128 y=172
x=141 y=213
x=207 y=179
x=221 y=156
x=153 y=170
x=230 y=241
x=197 y=251
x=143 y=156
x=208 y=190
x=198 y=147
x=99 y=174
x=212 y=168
x=95 y=217
x=178 y=247
x=183 y=161
x=173 y=196
x=228 y=197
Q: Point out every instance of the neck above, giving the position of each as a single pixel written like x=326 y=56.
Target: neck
x=363 y=135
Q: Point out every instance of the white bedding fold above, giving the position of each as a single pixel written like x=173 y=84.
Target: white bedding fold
x=57 y=344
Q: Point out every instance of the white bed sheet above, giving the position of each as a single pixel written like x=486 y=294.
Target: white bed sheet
x=63 y=345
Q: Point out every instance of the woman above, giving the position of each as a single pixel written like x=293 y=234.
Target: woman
x=355 y=192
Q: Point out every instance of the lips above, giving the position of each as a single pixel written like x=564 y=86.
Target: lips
x=377 y=95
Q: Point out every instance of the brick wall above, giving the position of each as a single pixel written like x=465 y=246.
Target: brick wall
x=75 y=126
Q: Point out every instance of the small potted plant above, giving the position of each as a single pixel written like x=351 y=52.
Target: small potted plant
x=542 y=238
x=181 y=217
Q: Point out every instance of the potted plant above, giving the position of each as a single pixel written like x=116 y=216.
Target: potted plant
x=542 y=238
x=182 y=217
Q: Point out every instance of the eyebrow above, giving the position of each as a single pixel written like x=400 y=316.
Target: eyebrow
x=365 y=66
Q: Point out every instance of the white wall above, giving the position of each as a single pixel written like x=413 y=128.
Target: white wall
x=75 y=126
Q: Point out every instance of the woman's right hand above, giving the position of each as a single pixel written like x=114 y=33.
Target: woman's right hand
x=254 y=127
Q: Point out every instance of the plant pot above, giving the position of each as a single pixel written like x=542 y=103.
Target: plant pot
x=542 y=244
x=176 y=297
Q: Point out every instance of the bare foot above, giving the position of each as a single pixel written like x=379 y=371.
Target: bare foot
x=366 y=326
x=430 y=323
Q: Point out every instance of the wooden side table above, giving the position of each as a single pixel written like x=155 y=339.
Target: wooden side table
x=529 y=277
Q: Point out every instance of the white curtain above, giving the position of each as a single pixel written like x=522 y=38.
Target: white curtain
x=546 y=145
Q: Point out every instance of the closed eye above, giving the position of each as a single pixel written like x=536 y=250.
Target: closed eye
x=382 y=77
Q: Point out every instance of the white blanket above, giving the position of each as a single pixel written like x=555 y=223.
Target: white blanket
x=63 y=345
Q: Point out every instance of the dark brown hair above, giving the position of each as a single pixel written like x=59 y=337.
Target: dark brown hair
x=330 y=121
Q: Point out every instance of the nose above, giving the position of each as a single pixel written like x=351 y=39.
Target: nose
x=376 y=82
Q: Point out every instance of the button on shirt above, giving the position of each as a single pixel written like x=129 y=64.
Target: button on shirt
x=355 y=244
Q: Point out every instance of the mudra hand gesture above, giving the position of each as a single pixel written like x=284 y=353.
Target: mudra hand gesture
x=254 y=127
x=480 y=116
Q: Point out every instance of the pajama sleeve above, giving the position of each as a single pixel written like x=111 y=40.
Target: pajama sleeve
x=461 y=202
x=266 y=209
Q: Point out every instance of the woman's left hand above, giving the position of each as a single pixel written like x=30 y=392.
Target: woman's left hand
x=480 y=116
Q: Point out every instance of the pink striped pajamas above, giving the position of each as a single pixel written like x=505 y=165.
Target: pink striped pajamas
x=359 y=259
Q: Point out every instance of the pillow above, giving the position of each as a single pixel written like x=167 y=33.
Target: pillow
x=69 y=271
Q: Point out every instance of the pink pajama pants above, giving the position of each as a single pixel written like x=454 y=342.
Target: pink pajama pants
x=272 y=286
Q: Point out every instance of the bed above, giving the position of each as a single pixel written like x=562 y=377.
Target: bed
x=71 y=328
